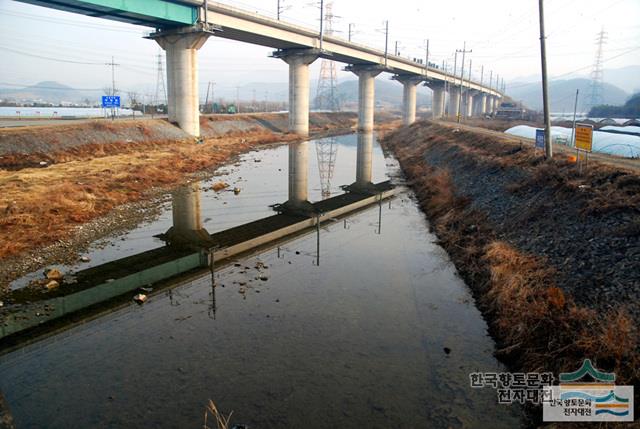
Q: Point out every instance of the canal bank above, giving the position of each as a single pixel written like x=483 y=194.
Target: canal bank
x=377 y=330
x=551 y=255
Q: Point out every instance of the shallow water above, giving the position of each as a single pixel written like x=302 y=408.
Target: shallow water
x=356 y=341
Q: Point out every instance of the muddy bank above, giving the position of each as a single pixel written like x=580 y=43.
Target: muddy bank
x=551 y=256
x=92 y=188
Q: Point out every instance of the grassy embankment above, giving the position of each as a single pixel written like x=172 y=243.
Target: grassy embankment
x=537 y=324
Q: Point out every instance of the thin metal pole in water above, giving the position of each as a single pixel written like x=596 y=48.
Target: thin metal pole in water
x=573 y=127
x=379 y=214
x=318 y=240
x=548 y=148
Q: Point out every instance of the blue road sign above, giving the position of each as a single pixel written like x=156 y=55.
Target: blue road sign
x=540 y=138
x=110 y=101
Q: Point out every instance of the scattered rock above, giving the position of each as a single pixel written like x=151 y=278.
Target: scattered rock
x=447 y=350
x=140 y=298
x=219 y=186
x=264 y=278
x=85 y=259
x=53 y=274
x=53 y=284
x=236 y=191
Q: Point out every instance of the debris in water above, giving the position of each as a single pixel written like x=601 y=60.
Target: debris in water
x=447 y=350
x=43 y=163
x=219 y=186
x=236 y=191
x=85 y=259
x=53 y=274
x=53 y=284
x=264 y=278
x=146 y=289
x=140 y=298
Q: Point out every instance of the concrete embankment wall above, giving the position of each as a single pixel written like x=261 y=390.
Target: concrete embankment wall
x=28 y=146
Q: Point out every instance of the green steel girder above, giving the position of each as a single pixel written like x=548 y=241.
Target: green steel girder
x=151 y=13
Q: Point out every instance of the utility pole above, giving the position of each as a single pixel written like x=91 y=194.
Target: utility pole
x=351 y=30
x=396 y=51
x=481 y=75
x=548 y=149
x=490 y=78
x=237 y=99
x=321 y=22
x=426 y=60
x=386 y=41
x=464 y=52
x=113 y=84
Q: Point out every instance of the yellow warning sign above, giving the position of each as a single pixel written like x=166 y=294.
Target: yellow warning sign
x=584 y=137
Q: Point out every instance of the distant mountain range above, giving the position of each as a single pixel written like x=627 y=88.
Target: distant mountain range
x=562 y=94
x=48 y=91
x=618 y=87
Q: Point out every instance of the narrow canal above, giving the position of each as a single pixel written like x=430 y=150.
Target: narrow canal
x=380 y=333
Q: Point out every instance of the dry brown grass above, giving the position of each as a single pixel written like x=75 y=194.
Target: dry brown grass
x=222 y=421
x=536 y=325
x=41 y=206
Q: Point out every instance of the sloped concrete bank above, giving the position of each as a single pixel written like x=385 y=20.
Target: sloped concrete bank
x=31 y=146
x=552 y=256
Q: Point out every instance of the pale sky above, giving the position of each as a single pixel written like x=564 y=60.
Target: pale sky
x=39 y=44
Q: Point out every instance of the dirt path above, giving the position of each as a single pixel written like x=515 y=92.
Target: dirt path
x=627 y=163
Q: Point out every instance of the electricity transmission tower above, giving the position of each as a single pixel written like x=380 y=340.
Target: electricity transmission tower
x=597 y=98
x=161 y=89
x=326 y=149
x=326 y=94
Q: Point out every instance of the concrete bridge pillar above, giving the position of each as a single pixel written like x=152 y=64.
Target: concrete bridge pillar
x=298 y=169
x=490 y=104
x=468 y=103
x=437 y=99
x=364 y=159
x=454 y=101
x=181 y=46
x=482 y=104
x=409 y=92
x=366 y=94
x=298 y=60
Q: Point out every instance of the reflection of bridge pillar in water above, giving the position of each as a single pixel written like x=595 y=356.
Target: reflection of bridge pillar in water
x=298 y=169
x=187 y=219
x=185 y=206
x=364 y=160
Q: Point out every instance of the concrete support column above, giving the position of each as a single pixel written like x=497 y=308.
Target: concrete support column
x=468 y=104
x=364 y=160
x=409 y=92
x=482 y=104
x=185 y=208
x=298 y=60
x=437 y=100
x=366 y=94
x=298 y=169
x=490 y=103
x=454 y=102
x=181 y=46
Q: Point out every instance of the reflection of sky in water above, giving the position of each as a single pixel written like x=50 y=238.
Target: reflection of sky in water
x=355 y=342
